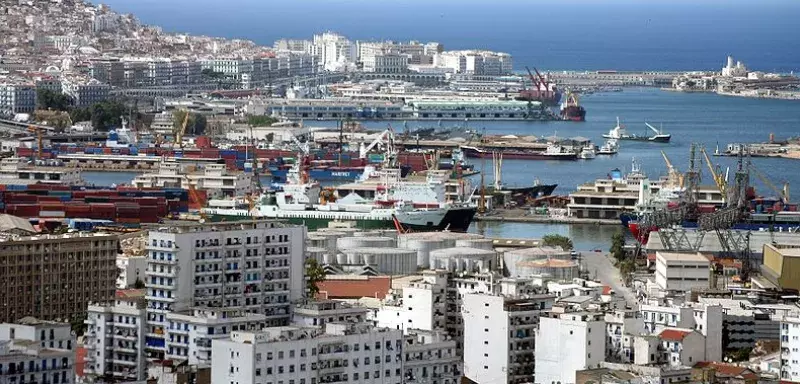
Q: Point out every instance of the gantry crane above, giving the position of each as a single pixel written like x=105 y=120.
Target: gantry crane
x=181 y=130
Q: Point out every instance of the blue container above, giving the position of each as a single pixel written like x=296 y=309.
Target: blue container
x=134 y=151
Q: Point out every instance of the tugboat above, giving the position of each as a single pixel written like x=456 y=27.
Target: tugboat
x=619 y=133
x=588 y=152
x=571 y=110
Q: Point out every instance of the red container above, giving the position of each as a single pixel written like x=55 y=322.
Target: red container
x=202 y=142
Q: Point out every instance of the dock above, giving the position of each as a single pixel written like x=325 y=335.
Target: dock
x=522 y=216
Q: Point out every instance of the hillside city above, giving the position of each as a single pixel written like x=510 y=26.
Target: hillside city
x=150 y=282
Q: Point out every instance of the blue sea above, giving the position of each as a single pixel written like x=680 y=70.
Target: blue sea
x=550 y=35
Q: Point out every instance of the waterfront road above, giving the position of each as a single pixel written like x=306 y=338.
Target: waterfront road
x=600 y=266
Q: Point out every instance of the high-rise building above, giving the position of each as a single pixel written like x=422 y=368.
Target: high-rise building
x=255 y=267
x=790 y=350
x=114 y=338
x=342 y=353
x=567 y=343
x=55 y=277
x=17 y=97
x=500 y=336
x=36 y=351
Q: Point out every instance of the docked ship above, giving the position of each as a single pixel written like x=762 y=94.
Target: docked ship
x=571 y=110
x=610 y=147
x=398 y=204
x=541 y=90
x=552 y=152
x=619 y=133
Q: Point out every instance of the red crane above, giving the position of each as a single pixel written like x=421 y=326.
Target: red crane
x=542 y=80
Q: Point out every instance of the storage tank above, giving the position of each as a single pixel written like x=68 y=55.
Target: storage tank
x=364 y=242
x=557 y=269
x=513 y=257
x=423 y=243
x=482 y=243
x=341 y=259
x=330 y=238
x=390 y=261
x=378 y=233
x=463 y=259
x=316 y=253
x=317 y=241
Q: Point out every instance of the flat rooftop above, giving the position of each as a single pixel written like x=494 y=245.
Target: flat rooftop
x=688 y=257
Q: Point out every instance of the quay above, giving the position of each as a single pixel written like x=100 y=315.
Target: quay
x=521 y=216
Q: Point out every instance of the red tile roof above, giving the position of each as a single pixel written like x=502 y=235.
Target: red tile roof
x=606 y=290
x=673 y=334
x=728 y=370
x=356 y=288
x=130 y=293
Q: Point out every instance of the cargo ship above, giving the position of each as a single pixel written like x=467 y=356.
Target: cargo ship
x=552 y=152
x=571 y=110
x=619 y=133
x=541 y=90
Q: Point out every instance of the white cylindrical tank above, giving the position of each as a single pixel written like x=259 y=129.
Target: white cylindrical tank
x=463 y=259
x=390 y=261
x=424 y=243
x=330 y=238
x=513 y=257
x=487 y=244
x=557 y=269
x=344 y=243
x=341 y=259
x=327 y=258
x=316 y=253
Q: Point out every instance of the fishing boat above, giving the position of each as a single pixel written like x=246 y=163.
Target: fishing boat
x=588 y=152
x=619 y=133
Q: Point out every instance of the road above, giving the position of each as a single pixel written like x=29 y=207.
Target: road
x=601 y=267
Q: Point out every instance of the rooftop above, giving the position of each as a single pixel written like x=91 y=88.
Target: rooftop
x=355 y=288
x=674 y=334
x=675 y=256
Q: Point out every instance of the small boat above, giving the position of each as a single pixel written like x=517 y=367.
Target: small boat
x=588 y=152
x=619 y=133
x=610 y=147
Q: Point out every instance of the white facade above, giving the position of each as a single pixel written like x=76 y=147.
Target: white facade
x=254 y=266
x=790 y=349
x=567 y=343
x=131 y=268
x=334 y=51
x=708 y=320
x=35 y=351
x=500 y=337
x=681 y=271
x=734 y=70
x=621 y=326
x=484 y=63
x=356 y=353
x=387 y=63
x=115 y=338
x=85 y=92
x=430 y=357
x=190 y=334
x=215 y=179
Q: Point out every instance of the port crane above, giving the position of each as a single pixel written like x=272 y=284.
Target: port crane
x=387 y=134
x=38 y=131
x=181 y=130
x=716 y=174
x=783 y=193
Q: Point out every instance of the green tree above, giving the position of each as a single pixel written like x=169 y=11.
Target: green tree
x=557 y=240
x=626 y=269
x=618 y=245
x=270 y=137
x=80 y=114
x=77 y=325
x=261 y=121
x=138 y=284
x=315 y=274
x=47 y=99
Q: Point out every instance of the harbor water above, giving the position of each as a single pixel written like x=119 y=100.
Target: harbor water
x=706 y=119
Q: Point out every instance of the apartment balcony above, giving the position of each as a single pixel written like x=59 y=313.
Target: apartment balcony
x=155 y=272
x=124 y=362
x=161 y=299
x=178 y=331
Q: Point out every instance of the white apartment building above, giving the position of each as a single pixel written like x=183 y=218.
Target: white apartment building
x=706 y=319
x=386 y=63
x=131 y=268
x=476 y=62
x=744 y=323
x=190 y=333
x=215 y=179
x=680 y=272
x=115 y=337
x=317 y=313
x=17 y=98
x=36 y=351
x=430 y=357
x=500 y=337
x=358 y=353
x=566 y=343
x=675 y=347
x=621 y=326
x=252 y=266
x=334 y=51
x=790 y=349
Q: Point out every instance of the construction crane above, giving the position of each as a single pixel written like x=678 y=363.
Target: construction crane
x=719 y=179
x=675 y=178
x=181 y=130
x=38 y=132
x=783 y=193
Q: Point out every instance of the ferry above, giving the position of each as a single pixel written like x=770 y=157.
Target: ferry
x=552 y=152
x=398 y=204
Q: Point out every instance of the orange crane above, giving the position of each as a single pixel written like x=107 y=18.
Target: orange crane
x=38 y=131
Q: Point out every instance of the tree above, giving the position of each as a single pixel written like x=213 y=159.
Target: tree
x=47 y=99
x=77 y=325
x=195 y=125
x=315 y=274
x=80 y=114
x=618 y=245
x=138 y=284
x=270 y=137
x=557 y=240
x=261 y=121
